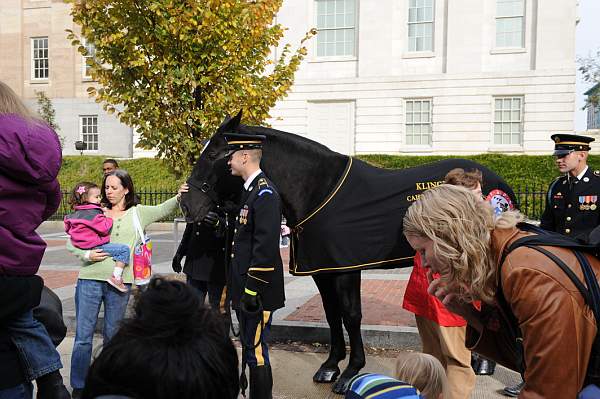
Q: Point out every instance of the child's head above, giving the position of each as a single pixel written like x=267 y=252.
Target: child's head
x=85 y=193
x=424 y=372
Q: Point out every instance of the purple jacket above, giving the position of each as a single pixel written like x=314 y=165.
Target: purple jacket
x=88 y=227
x=30 y=158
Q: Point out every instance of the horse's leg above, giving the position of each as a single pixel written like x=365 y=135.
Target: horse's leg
x=329 y=370
x=348 y=290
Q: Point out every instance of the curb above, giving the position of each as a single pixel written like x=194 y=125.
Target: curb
x=388 y=337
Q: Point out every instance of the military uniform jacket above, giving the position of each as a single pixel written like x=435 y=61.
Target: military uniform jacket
x=255 y=258
x=204 y=249
x=572 y=205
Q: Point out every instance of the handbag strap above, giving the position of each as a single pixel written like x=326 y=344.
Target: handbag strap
x=138 y=225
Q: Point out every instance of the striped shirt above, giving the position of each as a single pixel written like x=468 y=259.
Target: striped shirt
x=369 y=386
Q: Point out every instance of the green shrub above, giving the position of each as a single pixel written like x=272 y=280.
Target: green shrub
x=529 y=175
x=147 y=173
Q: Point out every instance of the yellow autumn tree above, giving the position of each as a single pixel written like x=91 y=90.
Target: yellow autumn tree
x=174 y=68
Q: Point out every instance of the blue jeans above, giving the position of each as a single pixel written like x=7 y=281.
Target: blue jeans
x=89 y=294
x=36 y=350
x=119 y=252
x=22 y=391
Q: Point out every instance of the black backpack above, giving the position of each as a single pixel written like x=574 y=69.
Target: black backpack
x=590 y=291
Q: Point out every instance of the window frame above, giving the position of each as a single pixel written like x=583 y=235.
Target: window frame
x=521 y=121
x=497 y=18
x=33 y=59
x=430 y=123
x=84 y=66
x=97 y=134
x=408 y=26
x=319 y=58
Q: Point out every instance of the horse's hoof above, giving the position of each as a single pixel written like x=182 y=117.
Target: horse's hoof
x=341 y=385
x=326 y=375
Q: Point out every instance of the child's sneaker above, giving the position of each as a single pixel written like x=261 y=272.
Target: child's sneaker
x=117 y=283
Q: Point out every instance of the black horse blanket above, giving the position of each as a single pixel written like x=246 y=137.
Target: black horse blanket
x=359 y=226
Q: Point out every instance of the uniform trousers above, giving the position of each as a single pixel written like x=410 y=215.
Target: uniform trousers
x=254 y=331
x=217 y=293
x=447 y=344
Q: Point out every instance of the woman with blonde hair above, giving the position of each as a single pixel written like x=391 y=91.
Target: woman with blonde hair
x=458 y=237
x=30 y=159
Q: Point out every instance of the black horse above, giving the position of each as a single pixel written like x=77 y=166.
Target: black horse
x=345 y=216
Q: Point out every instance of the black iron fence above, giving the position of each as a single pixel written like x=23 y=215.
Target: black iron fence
x=145 y=196
x=532 y=200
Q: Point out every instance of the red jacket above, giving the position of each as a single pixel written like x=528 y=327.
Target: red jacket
x=88 y=227
x=418 y=301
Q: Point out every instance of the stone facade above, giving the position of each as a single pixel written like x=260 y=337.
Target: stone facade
x=460 y=93
x=462 y=76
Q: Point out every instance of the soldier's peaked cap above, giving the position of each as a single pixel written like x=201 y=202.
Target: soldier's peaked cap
x=236 y=141
x=567 y=143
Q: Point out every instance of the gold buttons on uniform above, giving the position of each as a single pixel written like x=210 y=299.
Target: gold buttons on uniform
x=232 y=255
x=232 y=243
x=568 y=206
x=567 y=231
x=568 y=218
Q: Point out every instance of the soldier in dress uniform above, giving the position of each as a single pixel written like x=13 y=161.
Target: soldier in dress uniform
x=204 y=245
x=573 y=199
x=256 y=265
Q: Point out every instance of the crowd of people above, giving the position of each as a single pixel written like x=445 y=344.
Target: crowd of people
x=485 y=287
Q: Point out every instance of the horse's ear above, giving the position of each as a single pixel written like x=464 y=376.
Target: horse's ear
x=230 y=124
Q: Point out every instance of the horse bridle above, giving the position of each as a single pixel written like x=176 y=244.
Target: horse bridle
x=206 y=188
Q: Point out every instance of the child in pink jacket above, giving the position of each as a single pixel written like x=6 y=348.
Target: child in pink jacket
x=89 y=228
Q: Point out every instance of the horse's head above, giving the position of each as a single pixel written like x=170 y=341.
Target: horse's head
x=211 y=182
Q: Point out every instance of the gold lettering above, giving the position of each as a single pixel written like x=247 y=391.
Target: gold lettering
x=412 y=198
x=422 y=186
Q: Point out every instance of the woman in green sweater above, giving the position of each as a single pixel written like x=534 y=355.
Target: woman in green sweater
x=92 y=289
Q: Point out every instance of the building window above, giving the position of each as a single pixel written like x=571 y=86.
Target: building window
x=510 y=15
x=336 y=21
x=39 y=58
x=89 y=131
x=91 y=53
x=593 y=120
x=508 y=120
x=418 y=122
x=420 y=25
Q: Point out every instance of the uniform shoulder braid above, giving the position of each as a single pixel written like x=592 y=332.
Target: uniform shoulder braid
x=264 y=187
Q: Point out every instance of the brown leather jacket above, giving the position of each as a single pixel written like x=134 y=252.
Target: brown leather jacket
x=558 y=328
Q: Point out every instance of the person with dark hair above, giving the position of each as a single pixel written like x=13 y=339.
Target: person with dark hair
x=173 y=347
x=89 y=228
x=92 y=290
x=30 y=159
x=109 y=165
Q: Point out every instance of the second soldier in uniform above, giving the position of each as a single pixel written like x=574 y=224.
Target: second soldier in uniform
x=572 y=199
x=257 y=288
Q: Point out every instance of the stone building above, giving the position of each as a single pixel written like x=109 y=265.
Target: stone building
x=382 y=76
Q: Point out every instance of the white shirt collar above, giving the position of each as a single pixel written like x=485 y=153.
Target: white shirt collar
x=251 y=179
x=579 y=176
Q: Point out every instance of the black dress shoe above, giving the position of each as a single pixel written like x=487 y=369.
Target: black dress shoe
x=515 y=390
x=486 y=367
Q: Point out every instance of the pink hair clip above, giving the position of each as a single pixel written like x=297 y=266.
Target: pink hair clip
x=81 y=190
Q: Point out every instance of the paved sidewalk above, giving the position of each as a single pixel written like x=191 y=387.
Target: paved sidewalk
x=294 y=365
x=385 y=323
